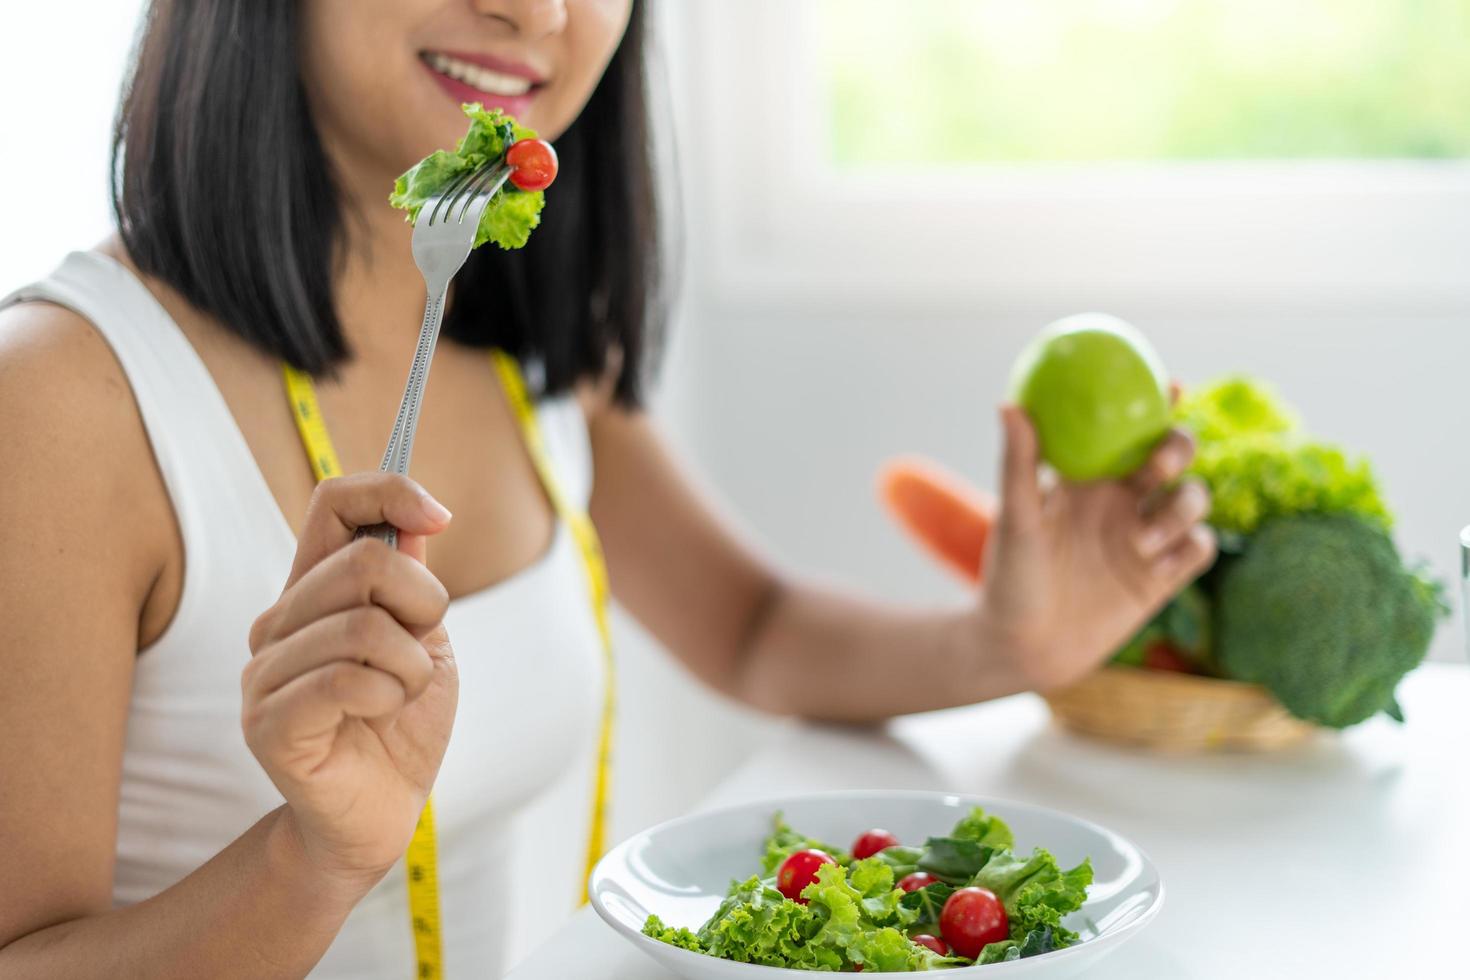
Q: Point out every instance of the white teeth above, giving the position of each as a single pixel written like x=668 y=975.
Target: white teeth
x=490 y=82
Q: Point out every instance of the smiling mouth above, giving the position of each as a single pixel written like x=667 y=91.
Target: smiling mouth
x=476 y=76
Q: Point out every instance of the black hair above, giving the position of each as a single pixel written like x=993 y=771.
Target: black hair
x=222 y=189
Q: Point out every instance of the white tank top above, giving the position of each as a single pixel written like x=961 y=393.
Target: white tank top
x=529 y=661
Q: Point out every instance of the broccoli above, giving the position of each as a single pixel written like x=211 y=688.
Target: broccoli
x=1321 y=610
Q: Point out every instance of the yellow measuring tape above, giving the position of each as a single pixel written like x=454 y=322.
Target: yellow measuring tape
x=421 y=860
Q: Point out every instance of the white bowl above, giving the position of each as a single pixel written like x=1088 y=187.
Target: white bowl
x=680 y=870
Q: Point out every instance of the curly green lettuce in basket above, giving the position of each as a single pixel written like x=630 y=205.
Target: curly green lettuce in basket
x=1259 y=465
x=512 y=213
x=855 y=916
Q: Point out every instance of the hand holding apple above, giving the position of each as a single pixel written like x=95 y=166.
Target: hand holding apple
x=1071 y=570
x=1096 y=392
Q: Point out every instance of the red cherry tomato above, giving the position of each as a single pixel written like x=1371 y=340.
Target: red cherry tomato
x=533 y=164
x=933 y=942
x=972 y=919
x=871 y=843
x=1161 y=655
x=915 y=881
x=800 y=870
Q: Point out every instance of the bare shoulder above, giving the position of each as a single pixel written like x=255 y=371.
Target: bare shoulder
x=61 y=386
x=74 y=439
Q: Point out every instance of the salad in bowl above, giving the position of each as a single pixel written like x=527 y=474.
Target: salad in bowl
x=929 y=881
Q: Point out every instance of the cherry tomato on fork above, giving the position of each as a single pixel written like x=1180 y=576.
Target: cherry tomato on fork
x=917 y=880
x=871 y=843
x=800 y=870
x=533 y=164
x=972 y=919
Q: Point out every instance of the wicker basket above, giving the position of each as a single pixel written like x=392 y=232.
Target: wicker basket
x=1165 y=710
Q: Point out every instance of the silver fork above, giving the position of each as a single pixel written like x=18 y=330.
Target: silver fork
x=442 y=238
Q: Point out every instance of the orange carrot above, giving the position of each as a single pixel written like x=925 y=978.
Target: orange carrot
x=947 y=516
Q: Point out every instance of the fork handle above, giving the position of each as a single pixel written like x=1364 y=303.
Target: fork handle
x=400 y=444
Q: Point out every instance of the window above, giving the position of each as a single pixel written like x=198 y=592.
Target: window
x=1091 y=80
x=1179 y=155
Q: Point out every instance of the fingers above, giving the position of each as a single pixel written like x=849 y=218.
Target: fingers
x=315 y=703
x=415 y=546
x=1166 y=464
x=367 y=635
x=1021 y=488
x=1177 y=514
x=1188 y=559
x=364 y=573
x=340 y=506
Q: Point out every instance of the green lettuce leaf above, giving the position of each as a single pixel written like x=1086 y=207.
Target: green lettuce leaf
x=861 y=917
x=757 y=924
x=881 y=900
x=512 y=214
x=954 y=860
x=680 y=937
x=1035 y=891
x=1001 y=952
x=1036 y=942
x=837 y=906
x=1235 y=406
x=889 y=951
x=928 y=902
x=903 y=860
x=984 y=829
x=1255 y=479
x=1259 y=464
x=847 y=921
x=784 y=842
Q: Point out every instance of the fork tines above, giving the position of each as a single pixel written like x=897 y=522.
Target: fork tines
x=462 y=191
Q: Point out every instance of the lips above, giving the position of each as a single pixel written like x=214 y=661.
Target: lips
x=478 y=71
x=467 y=77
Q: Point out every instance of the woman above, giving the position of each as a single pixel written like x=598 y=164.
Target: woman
x=165 y=815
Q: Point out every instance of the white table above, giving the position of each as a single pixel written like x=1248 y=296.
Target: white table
x=1347 y=857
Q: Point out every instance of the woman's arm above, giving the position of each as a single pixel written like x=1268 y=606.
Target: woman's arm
x=351 y=646
x=259 y=908
x=1071 y=579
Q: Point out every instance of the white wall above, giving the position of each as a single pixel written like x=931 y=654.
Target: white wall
x=60 y=65
x=800 y=408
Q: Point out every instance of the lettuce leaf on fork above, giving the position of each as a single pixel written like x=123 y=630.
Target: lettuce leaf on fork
x=512 y=213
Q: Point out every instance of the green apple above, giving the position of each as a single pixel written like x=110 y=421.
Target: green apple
x=1097 y=393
